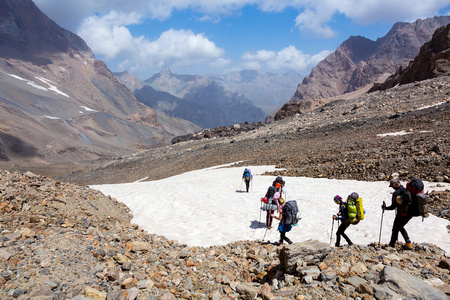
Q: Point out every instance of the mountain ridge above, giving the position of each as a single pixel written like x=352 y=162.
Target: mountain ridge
x=59 y=103
x=353 y=66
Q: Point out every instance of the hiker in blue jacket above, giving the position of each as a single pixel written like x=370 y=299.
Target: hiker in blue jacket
x=282 y=228
x=247 y=176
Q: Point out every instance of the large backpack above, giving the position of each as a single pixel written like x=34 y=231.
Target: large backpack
x=247 y=175
x=419 y=200
x=270 y=192
x=291 y=214
x=354 y=210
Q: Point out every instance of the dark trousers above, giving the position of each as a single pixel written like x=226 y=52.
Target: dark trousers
x=340 y=232
x=247 y=184
x=399 y=226
x=269 y=218
x=284 y=238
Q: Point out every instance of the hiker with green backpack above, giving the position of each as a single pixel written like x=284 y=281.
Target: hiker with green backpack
x=350 y=213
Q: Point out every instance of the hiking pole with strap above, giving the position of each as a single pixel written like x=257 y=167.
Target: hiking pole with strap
x=381 y=224
x=331 y=235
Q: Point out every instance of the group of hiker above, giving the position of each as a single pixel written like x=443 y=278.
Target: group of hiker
x=408 y=202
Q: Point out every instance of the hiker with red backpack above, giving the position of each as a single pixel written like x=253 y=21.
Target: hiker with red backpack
x=401 y=200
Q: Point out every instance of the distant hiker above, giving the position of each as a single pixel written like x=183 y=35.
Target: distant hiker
x=401 y=199
x=283 y=227
x=247 y=176
x=346 y=215
x=272 y=198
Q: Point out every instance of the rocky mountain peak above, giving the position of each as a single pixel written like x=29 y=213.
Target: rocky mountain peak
x=432 y=61
x=28 y=34
x=360 y=62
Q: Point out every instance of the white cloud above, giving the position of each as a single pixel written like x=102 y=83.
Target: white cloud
x=173 y=48
x=367 y=11
x=313 y=15
x=105 y=26
x=288 y=58
x=108 y=35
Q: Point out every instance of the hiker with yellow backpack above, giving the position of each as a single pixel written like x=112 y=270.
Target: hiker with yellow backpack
x=350 y=213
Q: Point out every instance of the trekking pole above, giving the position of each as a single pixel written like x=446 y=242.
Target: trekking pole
x=260 y=210
x=240 y=189
x=331 y=235
x=381 y=224
x=264 y=235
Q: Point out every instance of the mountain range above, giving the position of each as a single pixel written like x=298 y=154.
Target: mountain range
x=195 y=98
x=60 y=104
x=360 y=62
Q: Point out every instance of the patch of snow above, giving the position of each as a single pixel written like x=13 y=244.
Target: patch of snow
x=87 y=108
x=210 y=207
x=52 y=87
x=433 y=105
x=52 y=118
x=394 y=133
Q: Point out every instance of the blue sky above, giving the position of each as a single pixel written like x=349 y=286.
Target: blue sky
x=221 y=36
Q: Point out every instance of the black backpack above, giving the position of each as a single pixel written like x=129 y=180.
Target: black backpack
x=291 y=214
x=419 y=200
x=270 y=192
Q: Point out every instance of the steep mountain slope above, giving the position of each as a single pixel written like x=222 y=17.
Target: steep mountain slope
x=359 y=62
x=432 y=61
x=210 y=105
x=58 y=103
x=266 y=90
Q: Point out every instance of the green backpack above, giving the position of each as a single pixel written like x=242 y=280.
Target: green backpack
x=354 y=210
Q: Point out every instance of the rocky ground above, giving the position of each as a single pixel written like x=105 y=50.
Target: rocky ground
x=61 y=240
x=66 y=241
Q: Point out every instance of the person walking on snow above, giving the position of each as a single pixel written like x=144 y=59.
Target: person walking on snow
x=401 y=198
x=247 y=176
x=272 y=199
x=282 y=228
x=342 y=216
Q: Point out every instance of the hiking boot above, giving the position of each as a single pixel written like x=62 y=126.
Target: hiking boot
x=407 y=246
x=269 y=227
x=337 y=245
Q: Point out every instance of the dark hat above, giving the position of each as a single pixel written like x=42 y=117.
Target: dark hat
x=394 y=181
x=353 y=195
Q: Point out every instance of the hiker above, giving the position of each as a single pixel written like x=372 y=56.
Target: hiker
x=401 y=198
x=282 y=228
x=272 y=198
x=343 y=216
x=278 y=184
x=247 y=176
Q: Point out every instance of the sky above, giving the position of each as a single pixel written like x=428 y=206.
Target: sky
x=221 y=36
x=210 y=207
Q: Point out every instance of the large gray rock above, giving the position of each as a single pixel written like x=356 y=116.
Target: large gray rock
x=297 y=254
x=395 y=283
